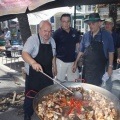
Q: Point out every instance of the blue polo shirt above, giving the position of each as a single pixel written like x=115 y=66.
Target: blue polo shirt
x=66 y=44
x=106 y=39
x=116 y=39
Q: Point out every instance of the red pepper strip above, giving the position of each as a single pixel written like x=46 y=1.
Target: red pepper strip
x=70 y=111
x=78 y=107
x=71 y=105
x=72 y=101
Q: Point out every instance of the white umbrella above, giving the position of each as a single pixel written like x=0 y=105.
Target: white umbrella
x=19 y=6
x=37 y=17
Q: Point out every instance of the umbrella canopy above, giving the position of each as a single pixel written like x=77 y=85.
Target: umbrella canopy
x=35 y=18
x=19 y=6
x=39 y=5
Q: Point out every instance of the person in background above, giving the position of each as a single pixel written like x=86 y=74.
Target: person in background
x=109 y=24
x=7 y=35
x=97 y=49
x=18 y=34
x=39 y=56
x=67 y=42
x=1 y=33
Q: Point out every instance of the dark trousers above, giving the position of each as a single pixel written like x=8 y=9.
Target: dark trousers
x=28 y=102
x=10 y=42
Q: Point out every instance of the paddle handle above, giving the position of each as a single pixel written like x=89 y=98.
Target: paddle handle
x=57 y=82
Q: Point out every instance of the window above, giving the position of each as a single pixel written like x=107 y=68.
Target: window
x=78 y=24
x=91 y=7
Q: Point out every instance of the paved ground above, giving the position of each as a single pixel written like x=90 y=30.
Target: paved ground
x=8 y=85
x=11 y=80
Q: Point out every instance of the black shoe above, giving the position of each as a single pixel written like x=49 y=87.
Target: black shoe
x=26 y=117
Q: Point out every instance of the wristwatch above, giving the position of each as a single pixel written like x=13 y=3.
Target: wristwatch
x=111 y=66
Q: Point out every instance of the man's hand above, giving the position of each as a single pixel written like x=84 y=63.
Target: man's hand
x=76 y=61
x=118 y=60
x=54 y=71
x=37 y=67
x=74 y=67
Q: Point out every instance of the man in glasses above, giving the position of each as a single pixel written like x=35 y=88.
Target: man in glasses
x=97 y=49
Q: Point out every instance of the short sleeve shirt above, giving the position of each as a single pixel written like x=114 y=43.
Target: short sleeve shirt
x=32 y=47
x=106 y=39
x=66 y=44
x=116 y=39
x=7 y=35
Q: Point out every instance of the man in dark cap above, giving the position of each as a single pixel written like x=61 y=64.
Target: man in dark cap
x=97 y=48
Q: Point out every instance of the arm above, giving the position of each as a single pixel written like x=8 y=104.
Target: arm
x=118 y=49
x=1 y=36
x=80 y=53
x=54 y=66
x=27 y=58
x=110 y=54
x=110 y=66
x=77 y=47
x=118 y=59
x=76 y=61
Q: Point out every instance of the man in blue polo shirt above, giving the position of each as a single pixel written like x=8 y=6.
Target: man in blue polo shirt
x=97 y=48
x=67 y=42
x=109 y=24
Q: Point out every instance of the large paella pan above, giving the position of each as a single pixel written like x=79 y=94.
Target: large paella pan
x=47 y=110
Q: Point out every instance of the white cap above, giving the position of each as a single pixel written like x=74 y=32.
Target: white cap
x=109 y=20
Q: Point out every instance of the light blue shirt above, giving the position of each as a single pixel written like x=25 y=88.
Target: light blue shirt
x=32 y=47
x=106 y=39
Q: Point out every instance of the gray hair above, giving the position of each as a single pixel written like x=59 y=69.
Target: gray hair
x=43 y=21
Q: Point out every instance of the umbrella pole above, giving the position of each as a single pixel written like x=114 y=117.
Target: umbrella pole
x=74 y=16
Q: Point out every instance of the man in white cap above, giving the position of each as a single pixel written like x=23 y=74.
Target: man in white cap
x=97 y=49
x=109 y=24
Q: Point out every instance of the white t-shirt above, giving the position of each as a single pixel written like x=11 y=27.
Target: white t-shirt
x=7 y=35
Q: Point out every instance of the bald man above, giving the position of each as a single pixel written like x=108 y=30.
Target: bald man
x=39 y=55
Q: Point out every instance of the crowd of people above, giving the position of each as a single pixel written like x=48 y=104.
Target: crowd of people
x=55 y=54
x=7 y=37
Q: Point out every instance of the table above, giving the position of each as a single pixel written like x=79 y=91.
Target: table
x=2 y=50
x=115 y=75
x=115 y=79
x=14 y=55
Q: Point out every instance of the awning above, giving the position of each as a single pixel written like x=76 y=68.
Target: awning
x=37 y=17
x=9 y=8
x=19 y=6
